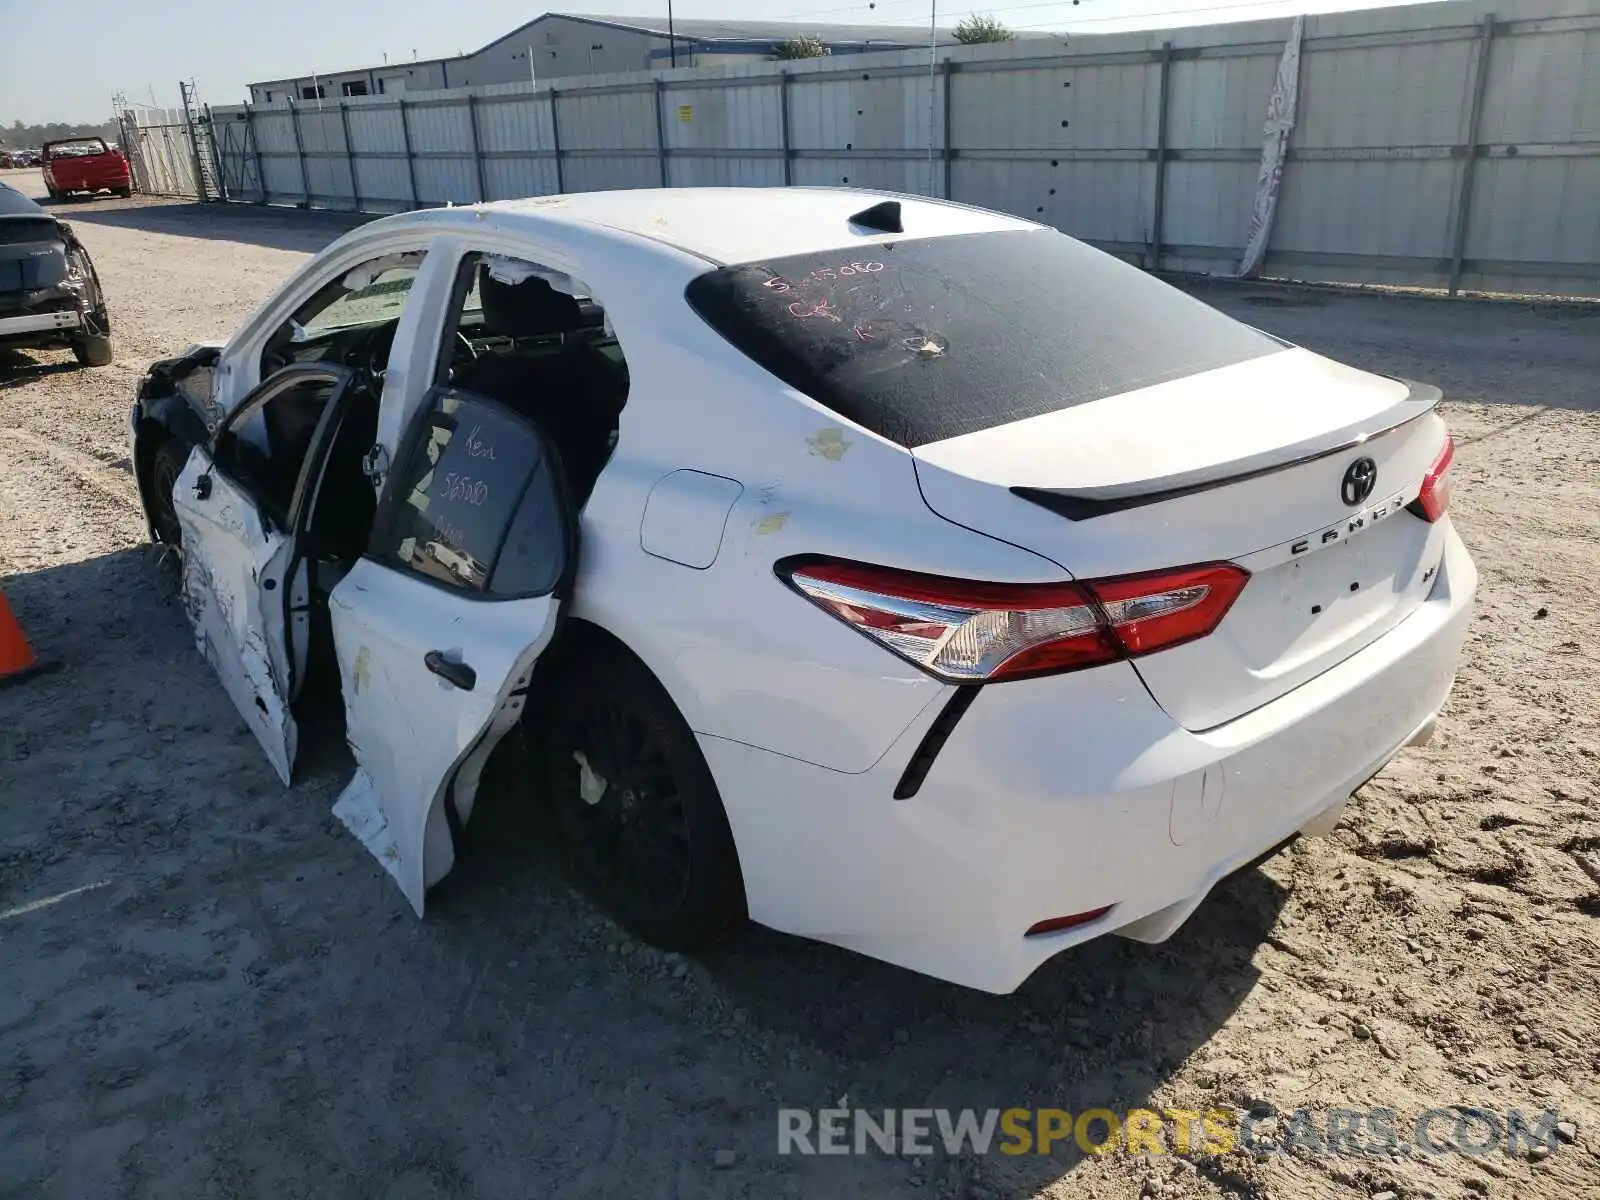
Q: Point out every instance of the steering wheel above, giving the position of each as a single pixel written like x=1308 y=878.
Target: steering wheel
x=463 y=342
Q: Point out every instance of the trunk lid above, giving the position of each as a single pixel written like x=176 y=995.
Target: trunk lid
x=1248 y=464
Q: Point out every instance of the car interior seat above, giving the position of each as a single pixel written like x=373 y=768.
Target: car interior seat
x=562 y=383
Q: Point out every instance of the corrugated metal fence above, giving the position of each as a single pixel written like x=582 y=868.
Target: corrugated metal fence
x=1435 y=146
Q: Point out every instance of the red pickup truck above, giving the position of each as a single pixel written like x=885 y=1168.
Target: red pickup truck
x=85 y=164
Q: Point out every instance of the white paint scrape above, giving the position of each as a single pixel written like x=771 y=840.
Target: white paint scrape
x=358 y=811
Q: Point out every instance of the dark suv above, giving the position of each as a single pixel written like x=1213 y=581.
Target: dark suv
x=49 y=293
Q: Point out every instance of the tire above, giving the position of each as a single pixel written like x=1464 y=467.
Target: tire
x=93 y=350
x=165 y=466
x=124 y=193
x=55 y=196
x=633 y=802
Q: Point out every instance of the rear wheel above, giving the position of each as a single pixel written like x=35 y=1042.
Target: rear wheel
x=93 y=349
x=165 y=467
x=124 y=192
x=635 y=804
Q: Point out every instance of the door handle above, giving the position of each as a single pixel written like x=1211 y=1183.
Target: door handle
x=202 y=487
x=458 y=673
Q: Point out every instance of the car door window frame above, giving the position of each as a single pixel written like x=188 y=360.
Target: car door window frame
x=466 y=279
x=291 y=522
x=384 y=527
x=406 y=391
x=242 y=355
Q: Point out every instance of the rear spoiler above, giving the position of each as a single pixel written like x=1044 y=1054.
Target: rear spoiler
x=1083 y=504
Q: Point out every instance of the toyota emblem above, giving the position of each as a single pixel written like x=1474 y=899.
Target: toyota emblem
x=1360 y=477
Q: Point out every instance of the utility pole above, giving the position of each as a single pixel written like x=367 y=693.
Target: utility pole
x=672 y=39
x=933 y=82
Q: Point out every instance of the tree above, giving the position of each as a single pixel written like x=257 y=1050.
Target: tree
x=30 y=137
x=975 y=29
x=804 y=46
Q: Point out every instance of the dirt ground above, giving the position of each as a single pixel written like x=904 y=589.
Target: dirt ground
x=207 y=989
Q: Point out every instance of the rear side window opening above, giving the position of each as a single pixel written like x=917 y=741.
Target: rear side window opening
x=927 y=339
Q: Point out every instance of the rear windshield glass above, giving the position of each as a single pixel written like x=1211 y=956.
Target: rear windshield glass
x=14 y=204
x=927 y=339
x=27 y=231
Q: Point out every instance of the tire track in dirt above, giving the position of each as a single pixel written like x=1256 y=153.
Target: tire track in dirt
x=111 y=479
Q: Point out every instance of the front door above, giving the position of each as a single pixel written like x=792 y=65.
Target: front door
x=237 y=502
x=438 y=628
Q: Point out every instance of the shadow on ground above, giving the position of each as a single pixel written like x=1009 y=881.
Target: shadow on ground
x=1102 y=1026
x=212 y=988
x=18 y=367
x=275 y=228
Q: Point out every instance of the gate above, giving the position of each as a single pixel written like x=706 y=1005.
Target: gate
x=238 y=158
x=170 y=150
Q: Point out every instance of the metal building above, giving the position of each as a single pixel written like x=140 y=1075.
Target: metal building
x=562 y=45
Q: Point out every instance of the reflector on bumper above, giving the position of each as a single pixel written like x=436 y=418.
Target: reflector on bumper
x=1057 y=924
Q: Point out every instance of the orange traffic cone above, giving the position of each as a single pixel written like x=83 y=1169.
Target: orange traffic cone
x=17 y=660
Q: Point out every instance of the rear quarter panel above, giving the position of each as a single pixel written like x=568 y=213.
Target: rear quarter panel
x=745 y=657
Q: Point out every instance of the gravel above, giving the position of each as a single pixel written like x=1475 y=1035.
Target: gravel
x=210 y=990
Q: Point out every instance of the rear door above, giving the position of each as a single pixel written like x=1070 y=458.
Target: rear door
x=439 y=626
x=237 y=502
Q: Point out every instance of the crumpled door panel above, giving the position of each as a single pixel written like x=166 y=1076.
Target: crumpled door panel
x=233 y=570
x=419 y=740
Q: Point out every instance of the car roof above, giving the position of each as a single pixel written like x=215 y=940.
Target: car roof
x=735 y=225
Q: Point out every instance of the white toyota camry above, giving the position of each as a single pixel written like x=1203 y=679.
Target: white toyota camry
x=891 y=572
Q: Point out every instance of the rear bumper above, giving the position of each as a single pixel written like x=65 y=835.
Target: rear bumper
x=105 y=183
x=1061 y=795
x=45 y=322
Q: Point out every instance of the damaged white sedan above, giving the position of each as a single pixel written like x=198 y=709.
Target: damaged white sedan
x=893 y=573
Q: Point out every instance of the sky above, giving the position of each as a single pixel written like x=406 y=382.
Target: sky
x=64 y=62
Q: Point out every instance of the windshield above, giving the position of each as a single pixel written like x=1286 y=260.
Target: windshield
x=77 y=149
x=927 y=339
x=363 y=297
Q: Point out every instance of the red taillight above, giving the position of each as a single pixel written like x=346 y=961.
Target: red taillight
x=1434 y=498
x=966 y=631
x=1167 y=608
